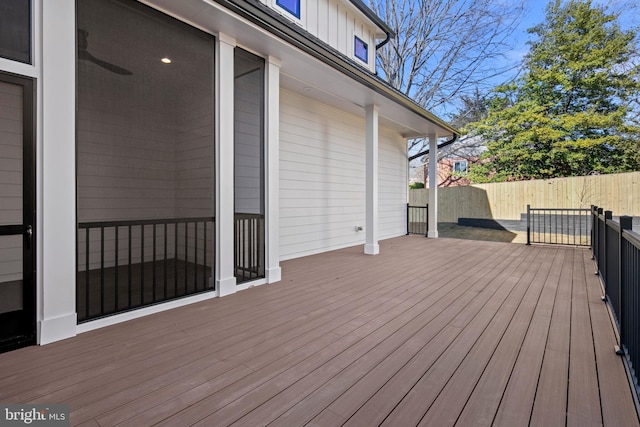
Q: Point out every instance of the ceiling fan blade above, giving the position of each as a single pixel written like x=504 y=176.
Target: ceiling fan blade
x=108 y=66
x=84 y=54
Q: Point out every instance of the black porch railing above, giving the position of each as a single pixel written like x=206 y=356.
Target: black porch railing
x=561 y=226
x=418 y=219
x=616 y=250
x=249 y=247
x=124 y=265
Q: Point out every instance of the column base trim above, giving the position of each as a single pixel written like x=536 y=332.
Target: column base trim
x=371 y=249
x=57 y=328
x=274 y=274
x=226 y=286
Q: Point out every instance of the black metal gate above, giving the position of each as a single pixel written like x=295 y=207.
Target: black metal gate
x=418 y=219
x=562 y=226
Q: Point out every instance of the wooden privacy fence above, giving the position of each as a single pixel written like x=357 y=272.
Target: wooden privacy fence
x=616 y=251
x=508 y=200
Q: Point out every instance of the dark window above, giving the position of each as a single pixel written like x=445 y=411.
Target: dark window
x=291 y=6
x=361 y=50
x=15 y=30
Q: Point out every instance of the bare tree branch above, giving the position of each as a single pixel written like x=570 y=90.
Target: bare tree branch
x=445 y=48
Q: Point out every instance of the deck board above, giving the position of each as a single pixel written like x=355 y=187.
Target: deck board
x=429 y=332
x=583 y=398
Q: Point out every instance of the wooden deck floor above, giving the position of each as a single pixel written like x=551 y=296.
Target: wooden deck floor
x=430 y=332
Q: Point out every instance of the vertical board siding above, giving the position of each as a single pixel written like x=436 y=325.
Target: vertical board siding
x=334 y=22
x=322 y=178
x=508 y=200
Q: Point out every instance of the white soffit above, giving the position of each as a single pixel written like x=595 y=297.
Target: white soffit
x=300 y=72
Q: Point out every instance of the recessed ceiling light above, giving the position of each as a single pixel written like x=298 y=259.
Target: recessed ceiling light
x=166 y=60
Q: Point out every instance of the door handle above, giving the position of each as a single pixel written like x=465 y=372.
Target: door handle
x=29 y=232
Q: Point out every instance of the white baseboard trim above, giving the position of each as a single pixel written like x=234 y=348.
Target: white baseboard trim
x=145 y=311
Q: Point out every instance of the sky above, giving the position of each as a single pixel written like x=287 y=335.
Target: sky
x=534 y=14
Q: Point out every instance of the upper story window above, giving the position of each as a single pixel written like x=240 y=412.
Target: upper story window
x=15 y=30
x=460 y=166
x=291 y=6
x=361 y=50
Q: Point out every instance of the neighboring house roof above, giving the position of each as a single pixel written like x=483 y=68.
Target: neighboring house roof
x=266 y=18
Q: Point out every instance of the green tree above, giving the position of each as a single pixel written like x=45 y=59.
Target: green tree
x=571 y=112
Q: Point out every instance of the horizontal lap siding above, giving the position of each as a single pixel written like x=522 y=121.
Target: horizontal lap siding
x=322 y=178
x=139 y=162
x=126 y=161
x=392 y=185
x=194 y=176
x=10 y=179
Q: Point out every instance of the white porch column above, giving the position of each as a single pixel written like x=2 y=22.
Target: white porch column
x=225 y=277
x=433 y=186
x=273 y=271
x=56 y=178
x=371 y=246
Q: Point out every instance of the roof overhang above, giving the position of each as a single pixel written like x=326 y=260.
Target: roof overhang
x=309 y=66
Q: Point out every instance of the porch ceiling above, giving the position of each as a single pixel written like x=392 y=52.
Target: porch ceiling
x=300 y=72
x=429 y=332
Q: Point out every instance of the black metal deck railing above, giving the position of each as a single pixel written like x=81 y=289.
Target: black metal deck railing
x=249 y=253
x=616 y=251
x=417 y=219
x=561 y=226
x=124 y=265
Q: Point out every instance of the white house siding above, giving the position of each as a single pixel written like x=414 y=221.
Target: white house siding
x=392 y=185
x=322 y=178
x=335 y=23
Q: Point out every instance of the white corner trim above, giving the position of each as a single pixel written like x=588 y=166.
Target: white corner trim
x=432 y=234
x=57 y=328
